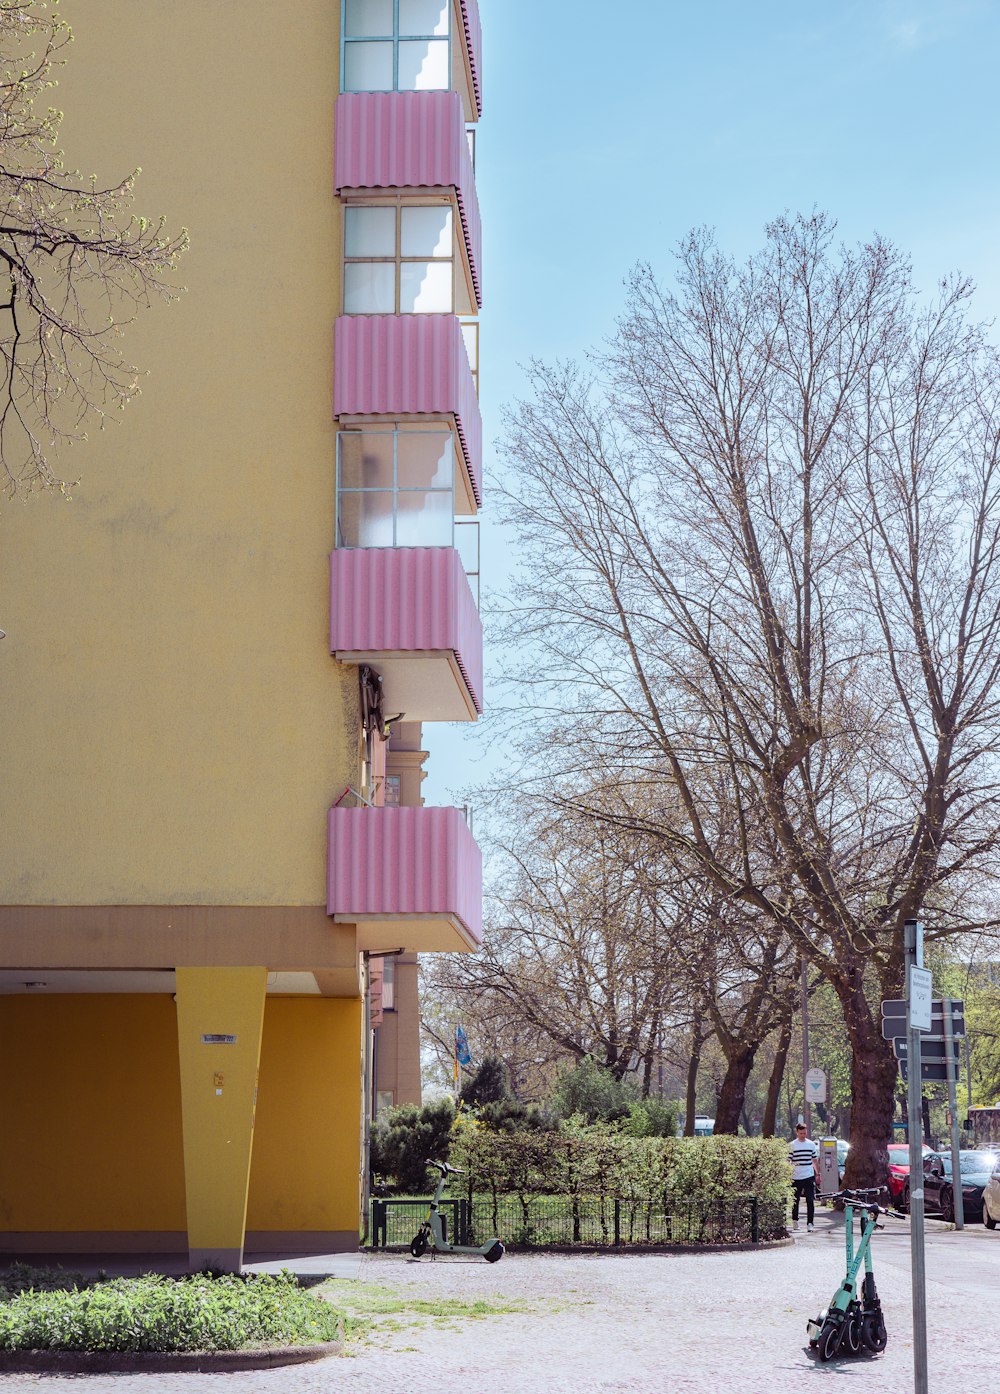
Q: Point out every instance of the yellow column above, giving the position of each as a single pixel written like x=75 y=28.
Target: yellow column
x=220 y=1015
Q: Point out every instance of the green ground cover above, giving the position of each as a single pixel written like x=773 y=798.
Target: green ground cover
x=43 y=1309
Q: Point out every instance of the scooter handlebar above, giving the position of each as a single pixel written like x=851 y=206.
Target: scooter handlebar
x=444 y=1168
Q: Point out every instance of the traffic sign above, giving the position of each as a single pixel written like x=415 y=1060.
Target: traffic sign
x=931 y=1071
x=931 y=1048
x=894 y=1018
x=921 y=994
x=815 y=1087
x=896 y=1006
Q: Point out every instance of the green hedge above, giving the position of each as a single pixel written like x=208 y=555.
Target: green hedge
x=578 y=1161
x=197 y=1313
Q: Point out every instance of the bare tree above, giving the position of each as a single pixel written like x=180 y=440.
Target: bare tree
x=79 y=264
x=761 y=548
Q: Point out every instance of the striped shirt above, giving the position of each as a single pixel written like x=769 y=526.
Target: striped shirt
x=802 y=1153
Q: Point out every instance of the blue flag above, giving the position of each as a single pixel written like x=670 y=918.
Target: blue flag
x=462 y=1052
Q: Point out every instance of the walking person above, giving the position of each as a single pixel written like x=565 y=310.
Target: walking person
x=803 y=1154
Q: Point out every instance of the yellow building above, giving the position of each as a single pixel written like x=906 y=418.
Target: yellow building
x=265 y=561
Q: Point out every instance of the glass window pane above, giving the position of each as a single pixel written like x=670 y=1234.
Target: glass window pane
x=470 y=335
x=425 y=460
x=365 y=459
x=370 y=288
x=425 y=288
x=467 y=542
x=367 y=67
x=423 y=65
x=424 y=520
x=364 y=520
x=424 y=17
x=426 y=232
x=369 y=19
x=370 y=232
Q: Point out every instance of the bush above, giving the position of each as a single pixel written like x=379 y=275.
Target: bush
x=197 y=1313
x=407 y=1139
x=582 y=1160
x=592 y=1092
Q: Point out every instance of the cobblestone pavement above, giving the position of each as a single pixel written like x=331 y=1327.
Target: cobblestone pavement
x=653 y=1324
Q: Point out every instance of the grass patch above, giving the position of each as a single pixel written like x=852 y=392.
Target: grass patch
x=370 y=1307
x=47 y=1310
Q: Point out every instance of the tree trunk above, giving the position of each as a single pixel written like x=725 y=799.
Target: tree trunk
x=873 y=1085
x=690 y=1101
x=777 y=1075
x=734 y=1087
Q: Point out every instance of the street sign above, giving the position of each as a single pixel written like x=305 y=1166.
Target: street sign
x=815 y=1087
x=931 y=1048
x=931 y=1071
x=894 y=1017
x=921 y=995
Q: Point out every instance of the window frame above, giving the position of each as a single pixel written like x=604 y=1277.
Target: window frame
x=395 y=491
x=395 y=39
x=399 y=206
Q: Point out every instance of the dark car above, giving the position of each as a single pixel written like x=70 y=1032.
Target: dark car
x=939 y=1191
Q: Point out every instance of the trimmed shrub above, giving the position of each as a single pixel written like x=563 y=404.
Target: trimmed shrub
x=197 y=1313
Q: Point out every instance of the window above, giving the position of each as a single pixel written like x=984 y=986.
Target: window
x=393 y=791
x=395 y=488
x=396 y=46
x=389 y=984
x=399 y=260
x=470 y=336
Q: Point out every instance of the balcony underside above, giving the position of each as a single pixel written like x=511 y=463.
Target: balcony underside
x=426 y=686
x=422 y=934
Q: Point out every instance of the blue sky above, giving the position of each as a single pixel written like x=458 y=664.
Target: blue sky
x=603 y=143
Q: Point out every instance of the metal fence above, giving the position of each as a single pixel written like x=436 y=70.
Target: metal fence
x=534 y=1222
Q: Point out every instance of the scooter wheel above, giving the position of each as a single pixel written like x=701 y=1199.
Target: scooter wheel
x=418 y=1245
x=873 y=1333
x=829 y=1340
x=851 y=1339
x=494 y=1254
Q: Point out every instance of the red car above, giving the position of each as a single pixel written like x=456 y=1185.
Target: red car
x=899 y=1173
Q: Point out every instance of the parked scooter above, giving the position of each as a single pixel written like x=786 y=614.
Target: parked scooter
x=432 y=1235
x=854 y=1321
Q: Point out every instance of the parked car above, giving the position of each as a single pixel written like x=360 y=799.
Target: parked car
x=899 y=1173
x=976 y=1167
x=991 y=1198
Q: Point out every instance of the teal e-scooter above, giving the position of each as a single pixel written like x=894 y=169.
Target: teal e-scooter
x=433 y=1235
x=853 y=1321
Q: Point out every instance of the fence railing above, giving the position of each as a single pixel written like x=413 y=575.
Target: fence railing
x=593 y=1221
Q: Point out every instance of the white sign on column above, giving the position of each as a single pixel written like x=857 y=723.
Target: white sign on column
x=815 y=1087
x=921 y=996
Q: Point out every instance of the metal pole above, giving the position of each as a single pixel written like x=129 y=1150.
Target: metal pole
x=913 y=956
x=805 y=1050
x=956 y=1168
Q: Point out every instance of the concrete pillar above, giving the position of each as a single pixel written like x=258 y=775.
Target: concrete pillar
x=220 y=1016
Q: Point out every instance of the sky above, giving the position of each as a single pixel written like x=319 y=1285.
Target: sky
x=602 y=144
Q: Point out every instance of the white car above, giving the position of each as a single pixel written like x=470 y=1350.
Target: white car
x=991 y=1198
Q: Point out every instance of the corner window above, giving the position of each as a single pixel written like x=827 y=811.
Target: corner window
x=396 y=46
x=395 y=489
x=399 y=259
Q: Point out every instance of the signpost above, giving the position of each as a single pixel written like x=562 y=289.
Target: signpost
x=918 y=1018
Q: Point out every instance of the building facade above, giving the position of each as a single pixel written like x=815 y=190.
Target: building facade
x=267 y=569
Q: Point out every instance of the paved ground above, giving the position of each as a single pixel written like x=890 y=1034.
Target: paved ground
x=648 y=1324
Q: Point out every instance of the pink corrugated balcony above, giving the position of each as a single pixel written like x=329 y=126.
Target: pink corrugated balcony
x=473 y=27
x=409 y=140
x=410 y=613
x=409 y=878
x=409 y=365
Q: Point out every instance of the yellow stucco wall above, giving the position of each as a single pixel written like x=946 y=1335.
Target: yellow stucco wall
x=307 y=1144
x=174 y=726
x=90 y=1089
